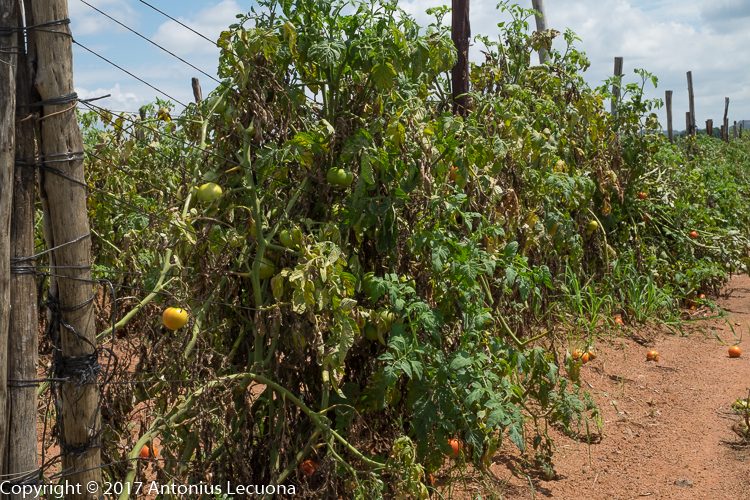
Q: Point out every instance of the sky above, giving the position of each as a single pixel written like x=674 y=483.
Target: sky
x=666 y=37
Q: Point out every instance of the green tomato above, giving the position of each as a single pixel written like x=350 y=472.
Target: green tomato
x=339 y=177
x=209 y=192
x=592 y=226
x=267 y=268
x=285 y=238
x=371 y=332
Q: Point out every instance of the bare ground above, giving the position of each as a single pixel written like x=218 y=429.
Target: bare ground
x=668 y=426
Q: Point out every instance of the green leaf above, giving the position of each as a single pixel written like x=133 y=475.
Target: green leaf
x=277 y=287
x=460 y=360
x=383 y=75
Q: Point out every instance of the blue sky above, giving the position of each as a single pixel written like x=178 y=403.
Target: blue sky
x=667 y=37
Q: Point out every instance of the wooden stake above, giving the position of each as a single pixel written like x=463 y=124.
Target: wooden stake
x=688 y=121
x=541 y=25
x=734 y=130
x=80 y=428
x=616 y=86
x=691 y=98
x=668 y=104
x=460 y=33
x=197 y=92
x=24 y=316
x=710 y=128
x=8 y=23
x=726 y=120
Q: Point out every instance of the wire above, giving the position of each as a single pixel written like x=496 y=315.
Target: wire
x=152 y=42
x=129 y=73
x=180 y=23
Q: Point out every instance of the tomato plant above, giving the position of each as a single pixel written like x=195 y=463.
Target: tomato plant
x=371 y=278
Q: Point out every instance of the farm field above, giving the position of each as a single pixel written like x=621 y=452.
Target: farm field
x=335 y=276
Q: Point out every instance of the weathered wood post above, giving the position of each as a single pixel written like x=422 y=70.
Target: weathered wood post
x=668 y=104
x=65 y=193
x=726 y=120
x=734 y=130
x=541 y=25
x=197 y=92
x=460 y=33
x=688 y=121
x=691 y=99
x=8 y=26
x=710 y=128
x=24 y=318
x=616 y=86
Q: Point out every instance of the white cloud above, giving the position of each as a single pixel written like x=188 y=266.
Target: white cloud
x=210 y=21
x=118 y=100
x=86 y=21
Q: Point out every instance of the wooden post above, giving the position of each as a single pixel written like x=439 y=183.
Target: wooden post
x=79 y=421
x=710 y=128
x=688 y=121
x=8 y=24
x=734 y=130
x=742 y=125
x=541 y=25
x=723 y=133
x=197 y=92
x=726 y=119
x=460 y=33
x=691 y=98
x=24 y=319
x=616 y=85
x=668 y=104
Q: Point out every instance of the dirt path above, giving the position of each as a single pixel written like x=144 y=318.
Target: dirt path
x=666 y=425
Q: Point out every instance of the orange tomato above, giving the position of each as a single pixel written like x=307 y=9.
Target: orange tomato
x=652 y=356
x=145 y=452
x=174 y=318
x=693 y=234
x=456 y=446
x=585 y=358
x=453 y=174
x=577 y=354
x=735 y=351
x=618 y=319
x=308 y=467
x=642 y=195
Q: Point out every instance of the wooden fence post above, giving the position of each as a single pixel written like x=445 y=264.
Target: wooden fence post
x=541 y=25
x=710 y=128
x=688 y=121
x=734 y=130
x=197 y=92
x=70 y=252
x=24 y=316
x=8 y=25
x=691 y=97
x=668 y=104
x=616 y=86
x=726 y=119
x=460 y=33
